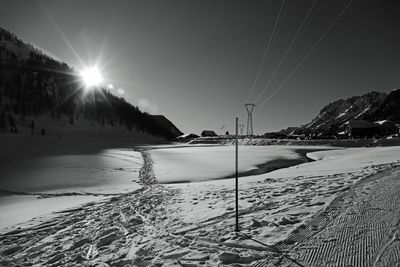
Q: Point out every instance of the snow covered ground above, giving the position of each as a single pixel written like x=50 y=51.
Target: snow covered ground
x=41 y=174
x=273 y=205
x=36 y=184
x=69 y=180
x=29 y=210
x=188 y=223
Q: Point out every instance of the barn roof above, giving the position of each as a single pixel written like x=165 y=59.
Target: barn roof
x=361 y=124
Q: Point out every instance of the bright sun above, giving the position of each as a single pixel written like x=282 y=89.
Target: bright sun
x=91 y=76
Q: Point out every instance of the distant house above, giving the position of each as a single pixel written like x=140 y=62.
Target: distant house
x=361 y=128
x=208 y=133
x=187 y=137
x=387 y=128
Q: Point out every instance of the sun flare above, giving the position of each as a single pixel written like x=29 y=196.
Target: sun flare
x=91 y=77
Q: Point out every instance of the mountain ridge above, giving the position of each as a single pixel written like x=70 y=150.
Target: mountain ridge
x=332 y=119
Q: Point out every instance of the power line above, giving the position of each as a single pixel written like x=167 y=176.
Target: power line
x=307 y=55
x=266 y=51
x=287 y=50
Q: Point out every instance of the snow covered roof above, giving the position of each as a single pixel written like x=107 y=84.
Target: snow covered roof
x=381 y=122
x=386 y=123
x=189 y=135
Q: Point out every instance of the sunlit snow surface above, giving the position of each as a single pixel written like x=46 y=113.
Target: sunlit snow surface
x=293 y=193
x=285 y=197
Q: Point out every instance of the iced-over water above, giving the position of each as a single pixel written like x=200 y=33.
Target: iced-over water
x=200 y=163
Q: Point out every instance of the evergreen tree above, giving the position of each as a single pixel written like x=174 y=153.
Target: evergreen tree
x=3 y=121
x=32 y=126
x=11 y=121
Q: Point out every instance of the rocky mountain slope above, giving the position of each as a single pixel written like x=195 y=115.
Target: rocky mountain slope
x=373 y=106
x=388 y=110
x=35 y=86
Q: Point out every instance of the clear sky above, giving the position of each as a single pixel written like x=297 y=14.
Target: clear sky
x=196 y=61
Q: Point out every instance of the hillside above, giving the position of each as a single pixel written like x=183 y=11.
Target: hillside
x=34 y=86
x=166 y=123
x=373 y=106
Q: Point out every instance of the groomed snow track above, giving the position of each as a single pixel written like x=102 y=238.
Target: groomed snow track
x=359 y=228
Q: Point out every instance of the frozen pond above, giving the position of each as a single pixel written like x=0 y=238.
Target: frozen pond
x=200 y=163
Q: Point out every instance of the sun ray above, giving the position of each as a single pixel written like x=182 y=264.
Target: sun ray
x=61 y=33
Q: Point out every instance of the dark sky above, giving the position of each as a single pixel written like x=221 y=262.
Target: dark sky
x=195 y=61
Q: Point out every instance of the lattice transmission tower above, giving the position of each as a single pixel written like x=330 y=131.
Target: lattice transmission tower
x=249 y=109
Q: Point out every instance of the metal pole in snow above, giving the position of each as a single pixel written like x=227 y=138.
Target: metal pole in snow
x=236 y=176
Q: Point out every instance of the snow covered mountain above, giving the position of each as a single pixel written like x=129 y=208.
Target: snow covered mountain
x=333 y=115
x=373 y=106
